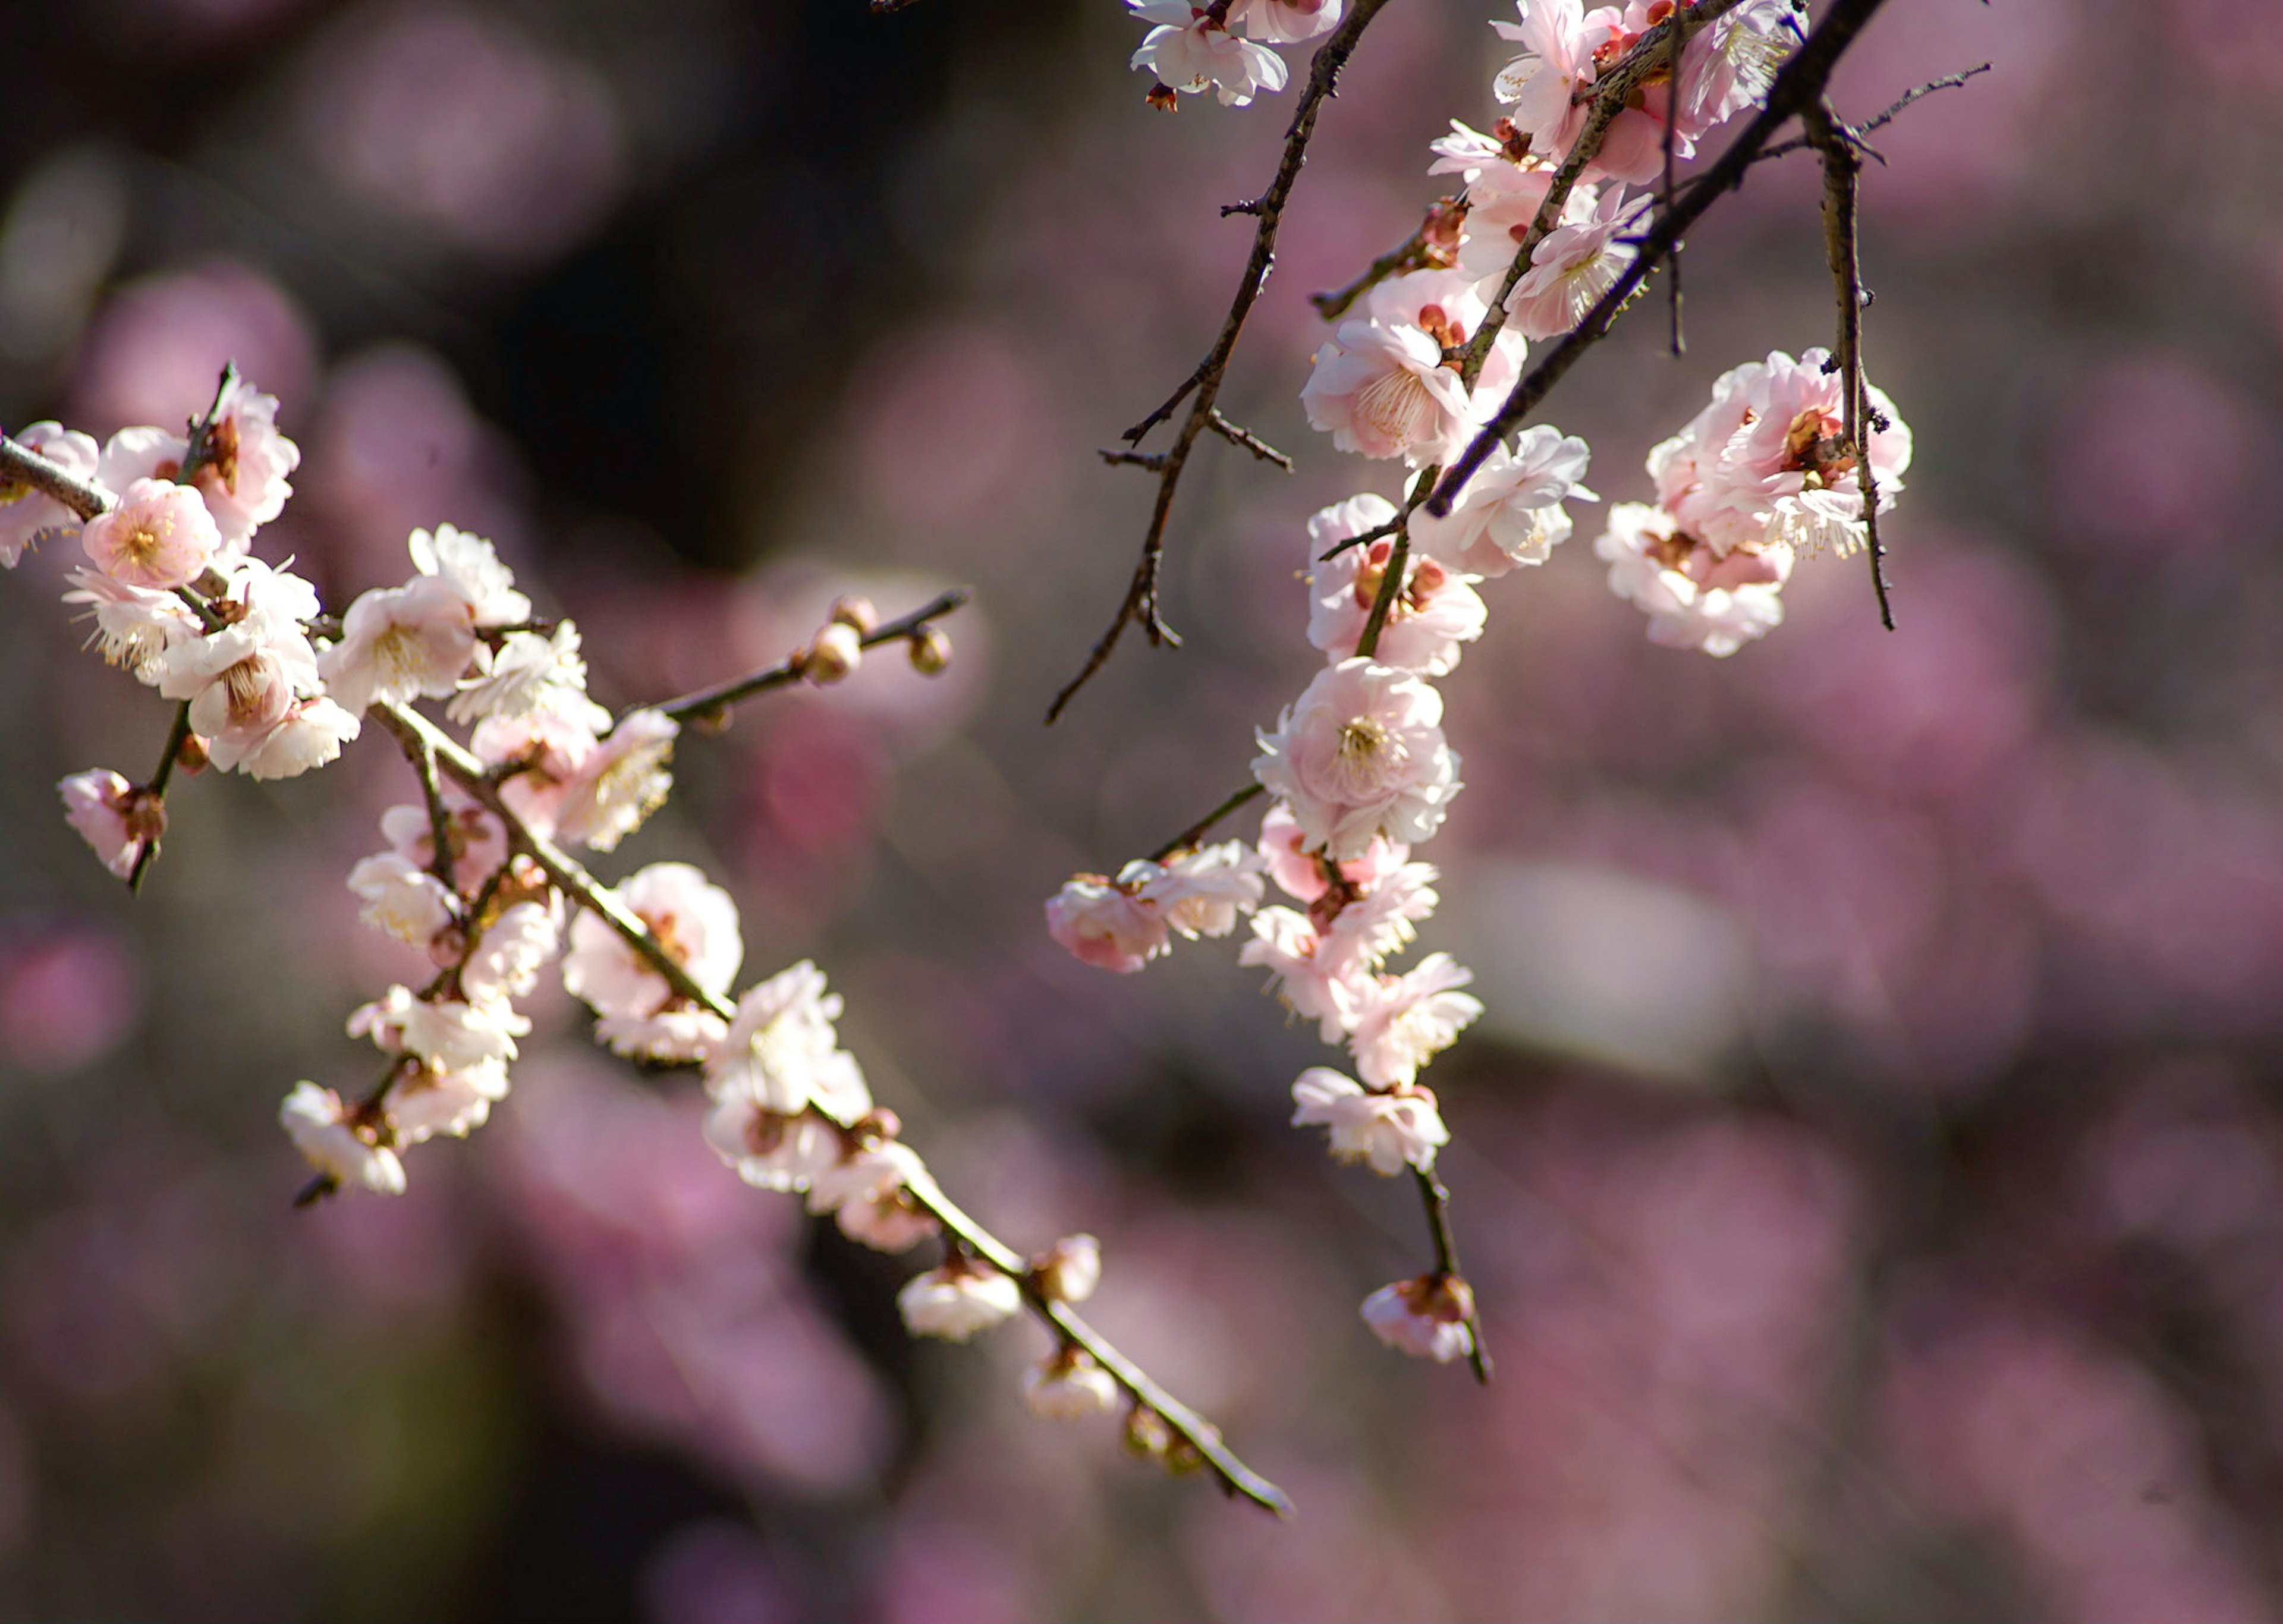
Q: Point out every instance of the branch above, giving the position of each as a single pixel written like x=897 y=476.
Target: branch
x=1948 y=81
x=1432 y=244
x=198 y=447
x=718 y=699
x=177 y=736
x=22 y=465
x=1236 y=434
x=1438 y=1200
x=417 y=732
x=1843 y=169
x=1798 y=86
x=1140 y=603
x=1202 y=826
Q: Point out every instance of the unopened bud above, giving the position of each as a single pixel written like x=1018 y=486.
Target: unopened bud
x=833 y=655
x=191 y=757
x=931 y=652
x=1162 y=97
x=1069 y=1270
x=447 y=947
x=855 y=609
x=879 y=1122
x=145 y=815
x=1147 y=1434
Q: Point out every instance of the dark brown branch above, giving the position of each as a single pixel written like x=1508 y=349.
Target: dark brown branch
x=1948 y=81
x=1436 y=1200
x=1236 y=434
x=1434 y=245
x=199 y=444
x=1843 y=169
x=170 y=754
x=1202 y=826
x=19 y=464
x=1798 y=86
x=721 y=695
x=1201 y=387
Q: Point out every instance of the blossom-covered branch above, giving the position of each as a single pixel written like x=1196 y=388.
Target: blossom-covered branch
x=1201 y=387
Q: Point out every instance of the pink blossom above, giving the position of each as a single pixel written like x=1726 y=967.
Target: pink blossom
x=695 y=922
x=770 y=1151
x=1500 y=218
x=1728 y=66
x=400 y=898
x=1380 y=922
x=477 y=838
x=1694 y=599
x=241 y=682
x=469 y=566
x=547 y=743
x=133 y=626
x=1388 y=1131
x=106 y=810
x=429 y=1100
x=311 y=735
x=452 y=1033
x=507 y=958
x=1565 y=49
x=864 y=1190
x=243 y=477
x=958 y=1300
x=619 y=783
x=1325 y=987
x=1361 y=753
x=399 y=644
x=1069 y=1270
x=140 y=453
x=1425 y=1318
x=1510 y=512
x=782 y=1051
x=1578 y=261
x=1202 y=892
x=159 y=535
x=1435 y=611
x=1102 y=922
x=521 y=675
x=349 y=1154
x=25 y=515
x=1405 y=1020
x=1299 y=873
x=1188 y=51
x=1284 y=22
x=1067 y=1386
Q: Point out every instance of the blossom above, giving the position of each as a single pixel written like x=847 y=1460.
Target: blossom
x=1283 y=22
x=241 y=680
x=1434 y=613
x=1202 y=892
x=1503 y=208
x=782 y=1052
x=400 y=898
x=1389 y=1131
x=545 y=746
x=1565 y=49
x=1510 y=512
x=1380 y=922
x=142 y=452
x=617 y=784
x=1316 y=985
x=770 y=1151
x=1188 y=49
x=506 y=959
x=28 y=516
x=1693 y=598
x=1102 y=922
x=517 y=678
x=468 y=568
x=348 y=1155
x=1299 y=873
x=1728 y=64
x=1406 y=1021
x=159 y=535
x=399 y=643
x=1361 y=753
x=1069 y=1270
x=1426 y=1318
x=1067 y=1386
x=243 y=475
x=1381 y=389
x=431 y=1100
x=695 y=923
x=450 y=1033
x=1767 y=460
x=311 y=735
x=864 y=1191
x=112 y=816
x=957 y=1300
x=477 y=839
x=134 y=625
x=1577 y=261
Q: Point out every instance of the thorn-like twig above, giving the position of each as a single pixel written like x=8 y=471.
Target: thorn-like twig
x=1843 y=170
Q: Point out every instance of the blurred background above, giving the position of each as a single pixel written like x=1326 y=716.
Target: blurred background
x=1871 y=1165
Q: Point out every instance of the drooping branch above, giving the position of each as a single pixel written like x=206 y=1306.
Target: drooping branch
x=717 y=700
x=1843 y=170
x=1201 y=388
x=1797 y=86
x=568 y=874
x=170 y=754
x=1436 y=1199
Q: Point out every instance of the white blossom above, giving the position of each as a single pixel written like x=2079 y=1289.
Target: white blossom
x=1188 y=51
x=469 y=567
x=782 y=1051
x=1425 y=1318
x=314 y=1118
x=1389 y=1131
x=1405 y=1020
x=1067 y=1386
x=1202 y=892
x=400 y=898
x=958 y=1300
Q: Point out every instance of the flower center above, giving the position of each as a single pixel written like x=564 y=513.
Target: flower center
x=1368 y=754
x=1816 y=445
x=1398 y=405
x=398 y=652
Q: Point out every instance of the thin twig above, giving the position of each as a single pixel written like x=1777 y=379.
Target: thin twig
x=177 y=735
x=1948 y=81
x=721 y=695
x=1202 y=826
x=1236 y=434
x=439 y=818
x=1201 y=387
x=1671 y=113
x=571 y=878
x=1432 y=244
x=1843 y=170
x=1436 y=1199
x=19 y=464
x=199 y=444
x=1796 y=87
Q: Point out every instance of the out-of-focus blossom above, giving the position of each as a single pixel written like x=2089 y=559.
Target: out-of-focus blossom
x=25 y=515
x=159 y=536
x=1299 y=873
x=506 y=961
x=158 y=344
x=770 y=1151
x=314 y=1118
x=1728 y=66
x=430 y=1101
x=1202 y=892
x=140 y=453
x=1069 y=1270
x=518 y=676
x=1314 y=984
x=1425 y=1318
x=106 y=810
x=400 y=898
x=1407 y=1020
x=399 y=644
x=1389 y=1131
x=864 y=1191
x=476 y=837
x=1067 y=1386
x=1189 y=50
x=1102 y=922
x=957 y=1300
x=1359 y=754
x=782 y=1051
x=619 y=782
x=1284 y=22
x=450 y=1033
x=1693 y=598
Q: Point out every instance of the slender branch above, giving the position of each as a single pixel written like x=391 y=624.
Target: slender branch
x=1236 y=434
x=199 y=448
x=1680 y=42
x=1843 y=170
x=1202 y=826
x=568 y=874
x=19 y=464
x=1796 y=87
x=1436 y=1198
x=1201 y=387
x=440 y=817
x=1433 y=244
x=1948 y=81
x=177 y=735
x=1390 y=588
x=721 y=695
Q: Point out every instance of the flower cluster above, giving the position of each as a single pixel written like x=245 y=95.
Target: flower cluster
x=1762 y=474
x=1224 y=47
